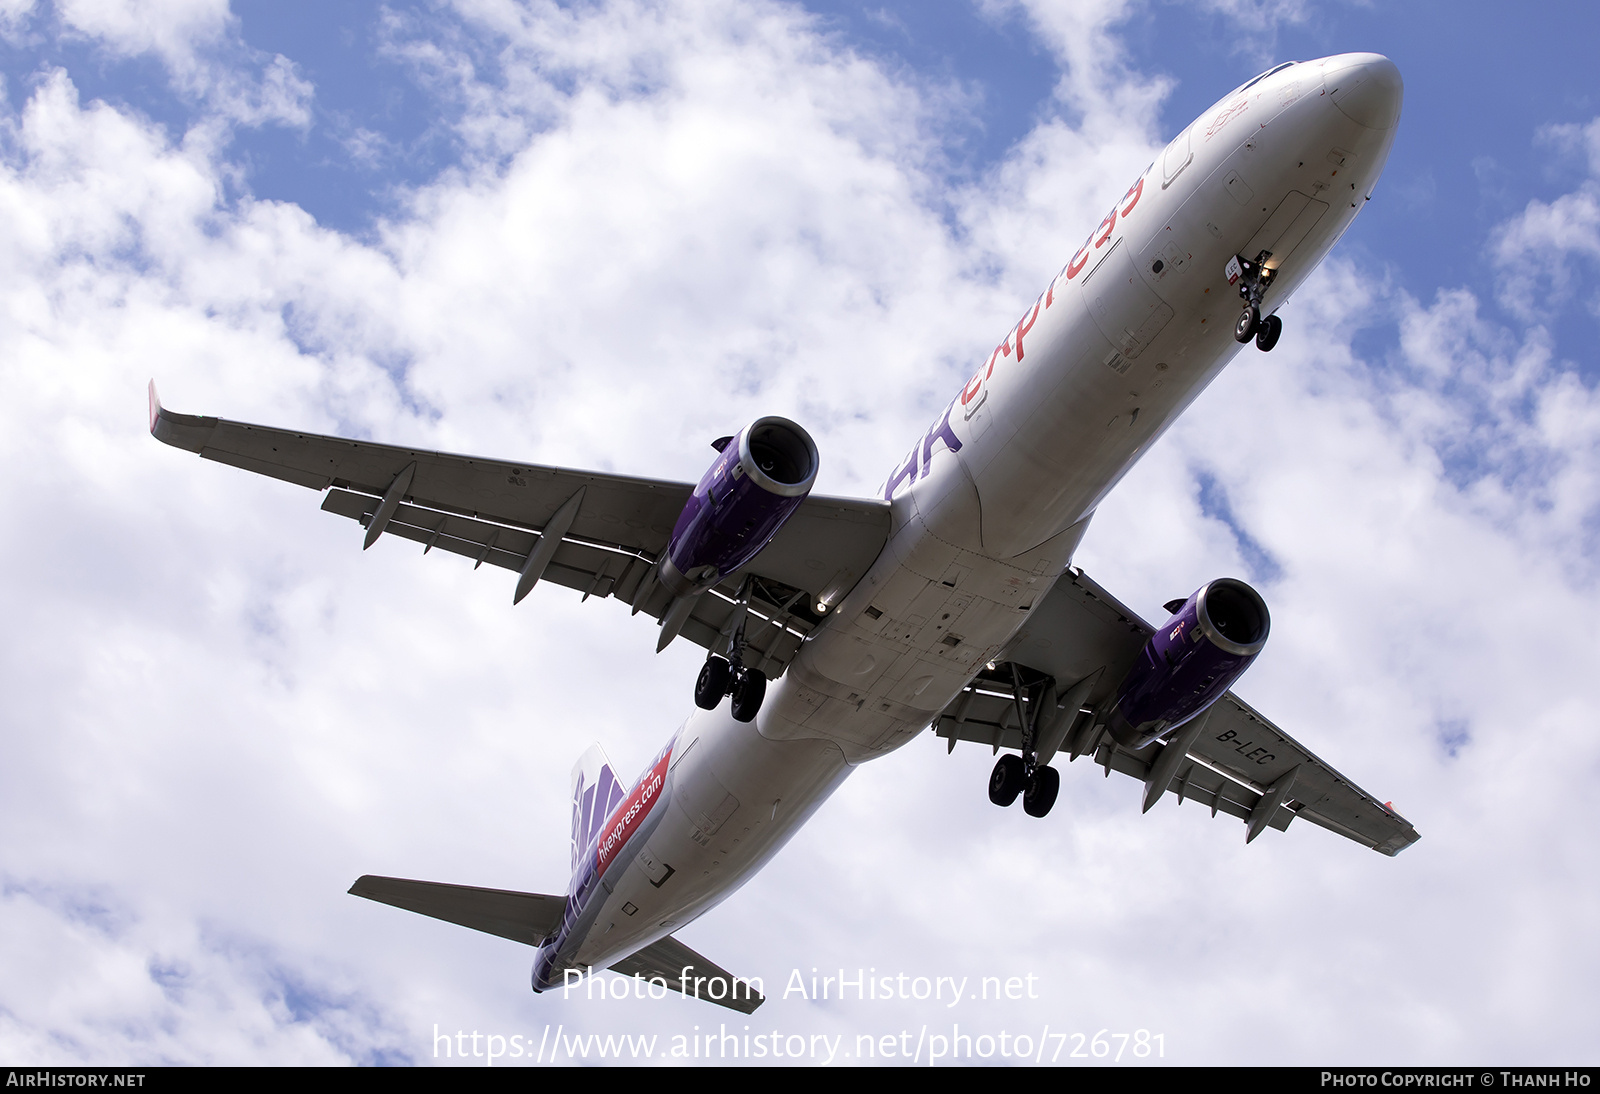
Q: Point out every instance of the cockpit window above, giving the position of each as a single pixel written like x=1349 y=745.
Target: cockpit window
x=1264 y=75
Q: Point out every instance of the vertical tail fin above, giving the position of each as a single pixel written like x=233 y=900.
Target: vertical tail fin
x=595 y=792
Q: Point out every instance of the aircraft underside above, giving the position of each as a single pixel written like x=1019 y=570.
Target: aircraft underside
x=839 y=629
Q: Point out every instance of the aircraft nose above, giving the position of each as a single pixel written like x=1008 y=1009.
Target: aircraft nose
x=1367 y=87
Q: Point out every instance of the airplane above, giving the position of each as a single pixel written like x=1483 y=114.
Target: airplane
x=839 y=629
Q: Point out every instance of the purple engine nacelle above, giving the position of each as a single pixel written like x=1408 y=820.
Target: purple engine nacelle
x=1190 y=661
x=757 y=482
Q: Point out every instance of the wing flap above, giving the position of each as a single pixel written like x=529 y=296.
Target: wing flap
x=991 y=720
x=492 y=511
x=778 y=619
x=1240 y=740
x=1232 y=765
x=529 y=918
x=1195 y=782
x=1212 y=772
x=589 y=568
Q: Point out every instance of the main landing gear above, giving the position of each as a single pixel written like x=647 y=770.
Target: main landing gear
x=1253 y=279
x=720 y=676
x=728 y=676
x=713 y=682
x=1012 y=775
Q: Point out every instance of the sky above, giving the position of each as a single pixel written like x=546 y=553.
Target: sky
x=601 y=234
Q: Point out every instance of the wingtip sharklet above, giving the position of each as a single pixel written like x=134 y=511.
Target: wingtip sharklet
x=187 y=431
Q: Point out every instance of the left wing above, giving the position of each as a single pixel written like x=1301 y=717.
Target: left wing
x=612 y=528
x=1083 y=640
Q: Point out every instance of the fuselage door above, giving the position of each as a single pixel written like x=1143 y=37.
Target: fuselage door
x=1284 y=230
x=1125 y=309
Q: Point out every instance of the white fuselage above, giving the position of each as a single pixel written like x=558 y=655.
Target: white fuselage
x=990 y=504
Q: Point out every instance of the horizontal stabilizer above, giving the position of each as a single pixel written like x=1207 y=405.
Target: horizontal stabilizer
x=687 y=973
x=529 y=918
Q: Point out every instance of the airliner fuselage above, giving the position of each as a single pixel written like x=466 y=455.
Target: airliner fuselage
x=989 y=504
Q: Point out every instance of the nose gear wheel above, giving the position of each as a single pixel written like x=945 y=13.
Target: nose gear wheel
x=1245 y=328
x=1267 y=334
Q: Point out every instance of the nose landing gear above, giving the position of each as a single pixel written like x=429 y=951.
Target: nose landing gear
x=1253 y=279
x=1249 y=320
x=1267 y=336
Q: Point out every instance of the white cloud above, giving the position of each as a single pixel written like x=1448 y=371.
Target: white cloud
x=1086 y=39
x=13 y=14
x=219 y=711
x=1095 y=77
x=87 y=981
x=197 y=42
x=1540 y=253
x=172 y=29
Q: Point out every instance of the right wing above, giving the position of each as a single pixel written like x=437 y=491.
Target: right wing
x=495 y=511
x=1233 y=760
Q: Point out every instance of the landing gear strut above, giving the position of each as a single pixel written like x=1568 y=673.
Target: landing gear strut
x=728 y=676
x=1024 y=775
x=1253 y=277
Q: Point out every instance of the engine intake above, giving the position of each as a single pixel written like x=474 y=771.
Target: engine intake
x=1190 y=661
x=756 y=483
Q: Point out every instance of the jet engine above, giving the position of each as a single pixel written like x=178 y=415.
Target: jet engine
x=759 y=479
x=1190 y=661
